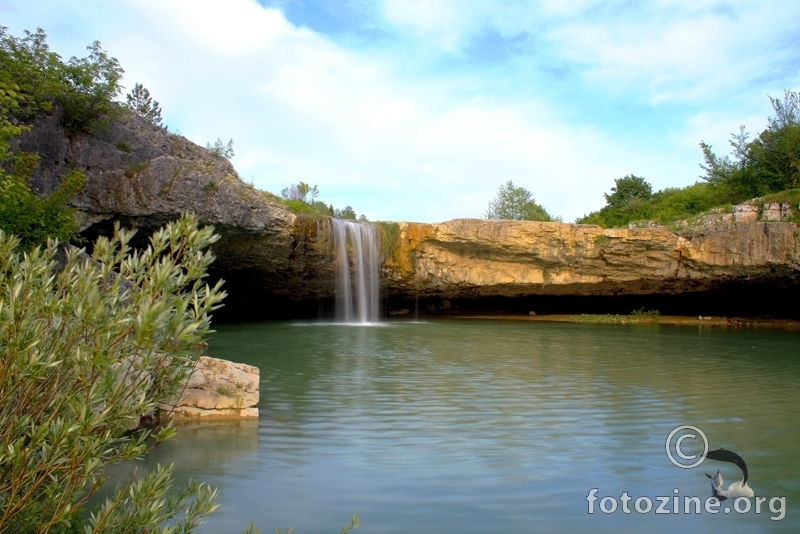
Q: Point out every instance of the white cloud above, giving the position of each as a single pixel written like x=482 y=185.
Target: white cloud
x=675 y=49
x=374 y=130
x=687 y=55
x=228 y=28
x=301 y=108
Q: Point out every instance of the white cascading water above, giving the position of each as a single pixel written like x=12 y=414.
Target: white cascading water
x=357 y=293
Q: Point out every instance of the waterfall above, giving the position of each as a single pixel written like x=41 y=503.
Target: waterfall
x=357 y=292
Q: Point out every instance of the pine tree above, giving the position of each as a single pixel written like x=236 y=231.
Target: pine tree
x=140 y=101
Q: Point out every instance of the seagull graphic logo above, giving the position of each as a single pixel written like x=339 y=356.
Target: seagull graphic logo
x=736 y=489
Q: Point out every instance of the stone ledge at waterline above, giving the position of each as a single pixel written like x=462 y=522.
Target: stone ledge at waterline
x=216 y=389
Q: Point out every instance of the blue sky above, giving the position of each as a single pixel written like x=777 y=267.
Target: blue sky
x=419 y=109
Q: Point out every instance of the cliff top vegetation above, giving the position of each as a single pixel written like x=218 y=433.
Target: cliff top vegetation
x=517 y=203
x=34 y=80
x=768 y=164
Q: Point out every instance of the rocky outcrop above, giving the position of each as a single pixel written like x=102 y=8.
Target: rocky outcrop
x=216 y=389
x=753 y=210
x=473 y=258
x=143 y=176
x=139 y=172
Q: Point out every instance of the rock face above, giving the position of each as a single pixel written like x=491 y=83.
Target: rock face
x=750 y=211
x=217 y=389
x=142 y=176
x=139 y=172
x=474 y=258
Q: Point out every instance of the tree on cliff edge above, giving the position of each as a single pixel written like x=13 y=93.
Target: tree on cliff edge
x=627 y=189
x=516 y=203
x=767 y=164
x=139 y=101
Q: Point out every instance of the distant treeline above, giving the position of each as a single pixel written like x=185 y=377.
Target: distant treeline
x=770 y=163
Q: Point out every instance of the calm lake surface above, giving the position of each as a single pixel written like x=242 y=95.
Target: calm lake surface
x=470 y=426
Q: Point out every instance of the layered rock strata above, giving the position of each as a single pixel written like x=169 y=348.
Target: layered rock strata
x=474 y=258
x=216 y=389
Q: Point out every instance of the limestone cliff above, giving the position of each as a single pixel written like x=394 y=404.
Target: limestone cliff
x=471 y=258
x=142 y=176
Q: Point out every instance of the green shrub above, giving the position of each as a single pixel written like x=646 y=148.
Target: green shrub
x=301 y=199
x=32 y=218
x=136 y=168
x=221 y=148
x=675 y=203
x=84 y=87
x=347 y=213
x=665 y=206
x=646 y=315
x=636 y=316
x=23 y=213
x=768 y=164
x=301 y=208
x=88 y=347
x=122 y=145
x=9 y=102
x=389 y=238
x=627 y=189
x=29 y=64
x=301 y=192
x=92 y=83
x=790 y=196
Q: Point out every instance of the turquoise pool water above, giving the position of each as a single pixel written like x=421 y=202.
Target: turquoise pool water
x=470 y=426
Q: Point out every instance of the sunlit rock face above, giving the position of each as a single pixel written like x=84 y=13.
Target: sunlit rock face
x=474 y=258
x=216 y=389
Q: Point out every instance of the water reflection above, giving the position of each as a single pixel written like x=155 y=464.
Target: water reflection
x=208 y=447
x=472 y=427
